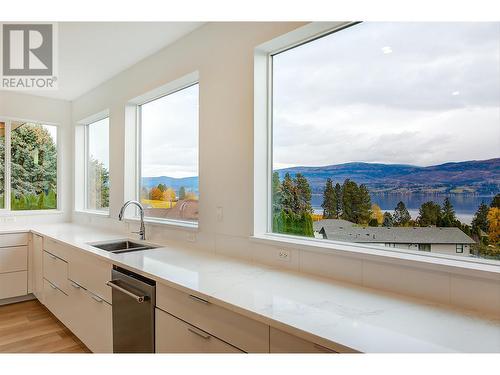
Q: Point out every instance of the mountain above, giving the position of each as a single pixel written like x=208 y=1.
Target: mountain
x=467 y=177
x=190 y=183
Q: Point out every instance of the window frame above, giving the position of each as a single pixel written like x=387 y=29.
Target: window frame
x=86 y=142
x=263 y=159
x=7 y=210
x=136 y=104
x=461 y=246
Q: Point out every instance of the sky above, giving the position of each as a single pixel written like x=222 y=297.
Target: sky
x=169 y=127
x=409 y=93
x=99 y=141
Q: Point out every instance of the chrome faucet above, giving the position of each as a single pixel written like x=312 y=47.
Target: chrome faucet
x=142 y=230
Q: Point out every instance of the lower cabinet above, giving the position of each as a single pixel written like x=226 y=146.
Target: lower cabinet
x=56 y=301
x=90 y=319
x=13 y=284
x=176 y=336
x=282 y=342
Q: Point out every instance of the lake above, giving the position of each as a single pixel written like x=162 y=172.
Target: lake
x=465 y=205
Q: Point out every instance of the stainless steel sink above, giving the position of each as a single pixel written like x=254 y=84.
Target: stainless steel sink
x=122 y=246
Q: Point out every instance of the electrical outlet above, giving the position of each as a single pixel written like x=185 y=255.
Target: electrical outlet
x=284 y=255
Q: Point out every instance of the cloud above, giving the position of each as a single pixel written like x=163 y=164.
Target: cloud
x=434 y=98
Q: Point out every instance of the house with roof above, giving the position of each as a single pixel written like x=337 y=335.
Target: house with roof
x=432 y=239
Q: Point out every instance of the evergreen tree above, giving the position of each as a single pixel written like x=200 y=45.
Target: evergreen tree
x=303 y=194
x=349 y=193
x=329 y=201
x=495 y=203
x=388 y=220
x=429 y=214
x=480 y=220
x=401 y=215
x=182 y=193
x=448 y=218
x=364 y=204
x=338 y=200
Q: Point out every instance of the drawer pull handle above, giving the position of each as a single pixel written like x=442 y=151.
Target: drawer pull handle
x=52 y=256
x=112 y=284
x=324 y=349
x=198 y=299
x=98 y=299
x=52 y=285
x=203 y=335
x=75 y=285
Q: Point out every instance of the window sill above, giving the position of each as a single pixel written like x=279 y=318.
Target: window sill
x=186 y=225
x=437 y=262
x=5 y=213
x=92 y=213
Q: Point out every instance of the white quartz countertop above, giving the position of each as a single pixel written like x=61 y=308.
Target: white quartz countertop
x=344 y=316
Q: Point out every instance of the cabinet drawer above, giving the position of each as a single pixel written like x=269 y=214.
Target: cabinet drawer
x=55 y=270
x=90 y=319
x=245 y=333
x=282 y=342
x=91 y=273
x=56 y=301
x=56 y=248
x=175 y=336
x=13 y=259
x=13 y=239
x=13 y=284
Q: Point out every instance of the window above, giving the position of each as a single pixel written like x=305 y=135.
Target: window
x=382 y=133
x=460 y=248
x=169 y=156
x=97 y=165
x=424 y=247
x=28 y=166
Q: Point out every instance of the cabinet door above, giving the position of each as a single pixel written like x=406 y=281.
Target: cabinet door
x=90 y=319
x=282 y=342
x=37 y=267
x=175 y=336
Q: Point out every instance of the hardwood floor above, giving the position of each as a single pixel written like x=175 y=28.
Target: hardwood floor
x=28 y=327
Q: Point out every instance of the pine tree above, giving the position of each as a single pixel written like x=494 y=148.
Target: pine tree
x=480 y=220
x=495 y=203
x=338 y=200
x=289 y=201
x=401 y=215
x=329 y=201
x=303 y=194
x=349 y=192
x=388 y=220
x=429 y=213
x=364 y=205
x=448 y=218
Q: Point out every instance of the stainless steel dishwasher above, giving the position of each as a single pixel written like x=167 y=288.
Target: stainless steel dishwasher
x=133 y=299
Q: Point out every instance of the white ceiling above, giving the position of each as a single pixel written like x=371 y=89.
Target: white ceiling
x=92 y=52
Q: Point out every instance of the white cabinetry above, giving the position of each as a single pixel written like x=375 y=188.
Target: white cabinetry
x=37 y=272
x=13 y=265
x=282 y=342
x=175 y=336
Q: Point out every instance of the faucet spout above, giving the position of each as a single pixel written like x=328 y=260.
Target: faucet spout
x=142 y=230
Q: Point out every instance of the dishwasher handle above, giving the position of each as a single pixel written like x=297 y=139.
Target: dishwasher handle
x=114 y=285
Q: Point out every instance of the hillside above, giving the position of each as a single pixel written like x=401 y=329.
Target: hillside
x=190 y=183
x=468 y=177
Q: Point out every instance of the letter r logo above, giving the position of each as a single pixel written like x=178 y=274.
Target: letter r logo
x=27 y=50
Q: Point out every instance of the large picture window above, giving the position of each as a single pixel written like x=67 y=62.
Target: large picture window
x=169 y=156
x=28 y=166
x=97 y=165
x=389 y=133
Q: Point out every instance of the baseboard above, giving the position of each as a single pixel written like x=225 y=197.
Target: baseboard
x=8 y=301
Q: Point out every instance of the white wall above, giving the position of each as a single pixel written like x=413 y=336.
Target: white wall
x=223 y=54
x=28 y=107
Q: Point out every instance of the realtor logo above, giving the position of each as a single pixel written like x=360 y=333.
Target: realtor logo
x=28 y=56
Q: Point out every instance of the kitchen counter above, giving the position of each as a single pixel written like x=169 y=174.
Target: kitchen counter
x=346 y=316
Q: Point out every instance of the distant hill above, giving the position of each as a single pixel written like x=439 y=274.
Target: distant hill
x=190 y=183
x=468 y=177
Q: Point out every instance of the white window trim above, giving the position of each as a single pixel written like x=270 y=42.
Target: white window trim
x=262 y=228
x=134 y=108
x=7 y=210
x=81 y=195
